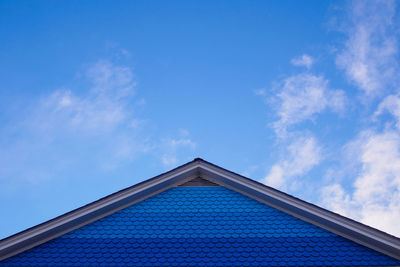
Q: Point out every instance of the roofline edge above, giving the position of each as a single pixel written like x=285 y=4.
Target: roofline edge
x=95 y=210
x=341 y=225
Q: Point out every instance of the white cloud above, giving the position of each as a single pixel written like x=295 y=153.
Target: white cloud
x=177 y=148
x=372 y=193
x=370 y=50
x=390 y=104
x=299 y=158
x=169 y=160
x=335 y=198
x=106 y=76
x=260 y=92
x=176 y=143
x=303 y=61
x=103 y=107
x=302 y=96
x=94 y=126
x=91 y=127
x=275 y=178
x=375 y=199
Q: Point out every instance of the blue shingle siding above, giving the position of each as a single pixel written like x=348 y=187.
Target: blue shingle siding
x=203 y=226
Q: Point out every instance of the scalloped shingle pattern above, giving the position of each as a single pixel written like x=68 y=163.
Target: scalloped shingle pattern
x=200 y=226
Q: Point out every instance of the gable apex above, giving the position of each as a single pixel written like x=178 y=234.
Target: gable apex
x=201 y=173
x=199 y=181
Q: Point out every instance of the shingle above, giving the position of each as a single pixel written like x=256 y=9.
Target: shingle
x=200 y=226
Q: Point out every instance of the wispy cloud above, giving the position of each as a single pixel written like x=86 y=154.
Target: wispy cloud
x=93 y=124
x=375 y=198
x=101 y=108
x=370 y=187
x=97 y=126
x=390 y=104
x=300 y=156
x=367 y=186
x=368 y=57
x=302 y=96
x=260 y=92
x=303 y=61
x=180 y=147
x=298 y=98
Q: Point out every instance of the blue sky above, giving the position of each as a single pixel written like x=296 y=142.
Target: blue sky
x=96 y=96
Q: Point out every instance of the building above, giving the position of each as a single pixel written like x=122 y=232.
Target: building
x=200 y=214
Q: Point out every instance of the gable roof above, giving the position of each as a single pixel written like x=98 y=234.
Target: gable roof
x=199 y=226
x=197 y=171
